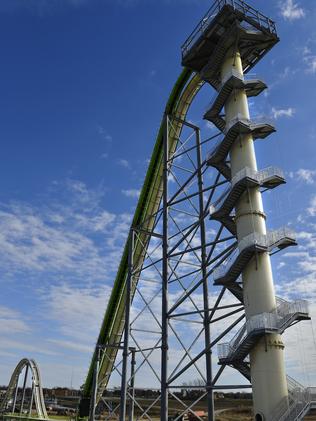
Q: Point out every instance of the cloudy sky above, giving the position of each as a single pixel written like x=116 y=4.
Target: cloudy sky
x=83 y=85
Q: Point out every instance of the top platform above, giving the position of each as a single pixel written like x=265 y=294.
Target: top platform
x=224 y=23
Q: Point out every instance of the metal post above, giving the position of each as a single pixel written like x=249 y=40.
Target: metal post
x=23 y=390
x=164 y=322
x=127 y=326
x=206 y=322
x=95 y=386
x=32 y=398
x=132 y=385
x=15 y=395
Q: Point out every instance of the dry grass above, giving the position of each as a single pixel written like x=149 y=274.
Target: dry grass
x=241 y=414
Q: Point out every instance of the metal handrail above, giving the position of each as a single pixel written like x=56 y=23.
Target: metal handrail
x=293 y=407
x=214 y=148
x=269 y=240
x=298 y=306
x=259 y=176
x=241 y=118
x=239 y=5
x=255 y=323
x=275 y=320
x=233 y=73
x=249 y=121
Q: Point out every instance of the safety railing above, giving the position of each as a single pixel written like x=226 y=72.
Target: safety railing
x=236 y=74
x=214 y=148
x=249 y=122
x=231 y=73
x=285 y=307
x=217 y=204
x=255 y=323
x=259 y=176
x=297 y=404
x=268 y=241
x=239 y=5
x=227 y=348
x=274 y=321
x=240 y=118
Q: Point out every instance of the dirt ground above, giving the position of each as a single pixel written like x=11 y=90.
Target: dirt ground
x=235 y=415
x=245 y=415
x=242 y=411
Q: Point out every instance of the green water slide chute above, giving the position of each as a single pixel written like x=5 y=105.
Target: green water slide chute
x=180 y=99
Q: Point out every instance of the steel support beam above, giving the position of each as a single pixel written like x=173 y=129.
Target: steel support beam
x=124 y=382
x=132 y=385
x=207 y=332
x=165 y=277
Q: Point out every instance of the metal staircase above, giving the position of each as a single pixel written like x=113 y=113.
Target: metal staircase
x=254 y=243
x=285 y=315
x=268 y=178
x=260 y=128
x=248 y=39
x=234 y=81
x=236 y=290
x=300 y=402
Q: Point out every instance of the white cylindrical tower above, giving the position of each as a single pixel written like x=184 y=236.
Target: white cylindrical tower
x=267 y=360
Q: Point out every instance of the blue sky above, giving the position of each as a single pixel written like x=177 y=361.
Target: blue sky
x=83 y=86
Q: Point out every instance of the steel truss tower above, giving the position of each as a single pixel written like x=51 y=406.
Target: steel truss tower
x=199 y=265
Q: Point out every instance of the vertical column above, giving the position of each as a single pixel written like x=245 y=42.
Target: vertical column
x=127 y=326
x=132 y=386
x=31 y=399
x=206 y=316
x=266 y=359
x=95 y=386
x=164 y=315
x=15 y=395
x=23 y=390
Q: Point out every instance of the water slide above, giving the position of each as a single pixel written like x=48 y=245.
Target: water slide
x=36 y=384
x=180 y=99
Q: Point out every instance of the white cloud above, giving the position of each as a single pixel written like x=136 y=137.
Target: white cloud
x=281 y=265
x=72 y=308
x=83 y=195
x=25 y=346
x=12 y=322
x=73 y=237
x=312 y=207
x=104 y=134
x=30 y=242
x=287 y=112
x=63 y=256
x=96 y=223
x=134 y=193
x=124 y=163
x=290 y=10
x=306 y=175
x=76 y=346
x=310 y=60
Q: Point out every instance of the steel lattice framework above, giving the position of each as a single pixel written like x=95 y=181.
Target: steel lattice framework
x=175 y=315
x=180 y=290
